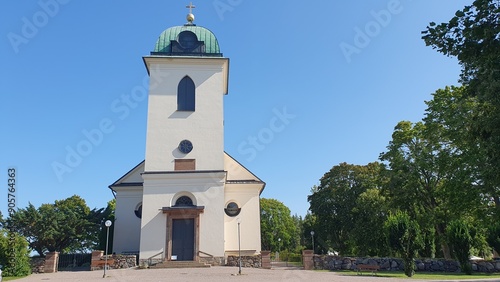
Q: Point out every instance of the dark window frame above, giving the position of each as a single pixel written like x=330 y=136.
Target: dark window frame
x=184 y=201
x=138 y=210
x=187 y=39
x=186 y=95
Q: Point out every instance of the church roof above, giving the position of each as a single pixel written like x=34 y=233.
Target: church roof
x=132 y=177
x=236 y=174
x=239 y=174
x=169 y=42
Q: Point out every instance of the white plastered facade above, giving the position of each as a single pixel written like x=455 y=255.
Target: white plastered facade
x=212 y=190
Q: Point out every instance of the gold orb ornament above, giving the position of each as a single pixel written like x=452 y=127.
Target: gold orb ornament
x=190 y=17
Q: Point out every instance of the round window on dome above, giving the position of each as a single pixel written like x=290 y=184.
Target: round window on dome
x=187 y=39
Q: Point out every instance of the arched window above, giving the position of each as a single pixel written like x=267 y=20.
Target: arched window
x=185 y=95
x=184 y=201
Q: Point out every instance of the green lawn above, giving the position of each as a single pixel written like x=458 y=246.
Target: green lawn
x=427 y=275
x=11 y=278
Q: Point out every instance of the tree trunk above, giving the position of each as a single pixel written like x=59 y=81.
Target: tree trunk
x=441 y=237
x=446 y=250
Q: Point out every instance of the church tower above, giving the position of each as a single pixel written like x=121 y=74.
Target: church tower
x=188 y=194
x=184 y=142
x=188 y=79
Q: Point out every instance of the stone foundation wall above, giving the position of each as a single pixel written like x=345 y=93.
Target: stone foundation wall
x=246 y=261
x=124 y=261
x=395 y=264
x=213 y=261
x=145 y=263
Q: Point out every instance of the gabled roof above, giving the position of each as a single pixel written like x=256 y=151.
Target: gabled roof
x=237 y=173
x=131 y=178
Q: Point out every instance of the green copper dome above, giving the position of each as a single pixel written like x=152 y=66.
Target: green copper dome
x=187 y=40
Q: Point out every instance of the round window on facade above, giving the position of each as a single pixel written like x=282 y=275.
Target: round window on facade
x=138 y=210
x=232 y=209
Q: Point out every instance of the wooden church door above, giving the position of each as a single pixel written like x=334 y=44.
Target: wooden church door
x=183 y=239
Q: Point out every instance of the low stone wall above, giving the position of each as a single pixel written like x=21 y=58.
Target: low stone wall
x=113 y=261
x=395 y=264
x=246 y=261
x=486 y=266
x=37 y=264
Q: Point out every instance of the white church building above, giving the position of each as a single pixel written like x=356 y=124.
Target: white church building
x=187 y=199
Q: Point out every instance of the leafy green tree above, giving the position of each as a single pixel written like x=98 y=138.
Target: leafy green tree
x=309 y=224
x=276 y=223
x=449 y=157
x=429 y=241
x=334 y=204
x=65 y=226
x=369 y=215
x=404 y=238
x=14 y=254
x=493 y=236
x=460 y=235
x=472 y=37
x=296 y=242
x=429 y=176
x=450 y=118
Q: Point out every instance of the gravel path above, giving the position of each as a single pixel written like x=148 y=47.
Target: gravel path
x=208 y=275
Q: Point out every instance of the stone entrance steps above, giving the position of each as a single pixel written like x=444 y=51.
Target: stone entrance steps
x=180 y=264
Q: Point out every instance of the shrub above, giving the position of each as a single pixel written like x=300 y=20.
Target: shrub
x=460 y=235
x=404 y=238
x=14 y=255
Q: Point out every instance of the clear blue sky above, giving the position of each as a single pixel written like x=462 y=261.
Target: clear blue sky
x=342 y=72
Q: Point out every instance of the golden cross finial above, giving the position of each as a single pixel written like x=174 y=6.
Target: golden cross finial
x=191 y=7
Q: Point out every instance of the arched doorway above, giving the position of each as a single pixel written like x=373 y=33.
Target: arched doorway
x=183 y=221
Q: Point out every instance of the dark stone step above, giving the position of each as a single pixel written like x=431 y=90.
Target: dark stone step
x=180 y=264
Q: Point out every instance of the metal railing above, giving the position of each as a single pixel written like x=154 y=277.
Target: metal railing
x=207 y=254
x=73 y=262
x=150 y=259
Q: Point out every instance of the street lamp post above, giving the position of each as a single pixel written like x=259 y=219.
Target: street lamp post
x=108 y=224
x=279 y=248
x=239 y=246
x=312 y=237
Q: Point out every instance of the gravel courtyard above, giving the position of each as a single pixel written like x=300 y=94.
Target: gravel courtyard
x=207 y=275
